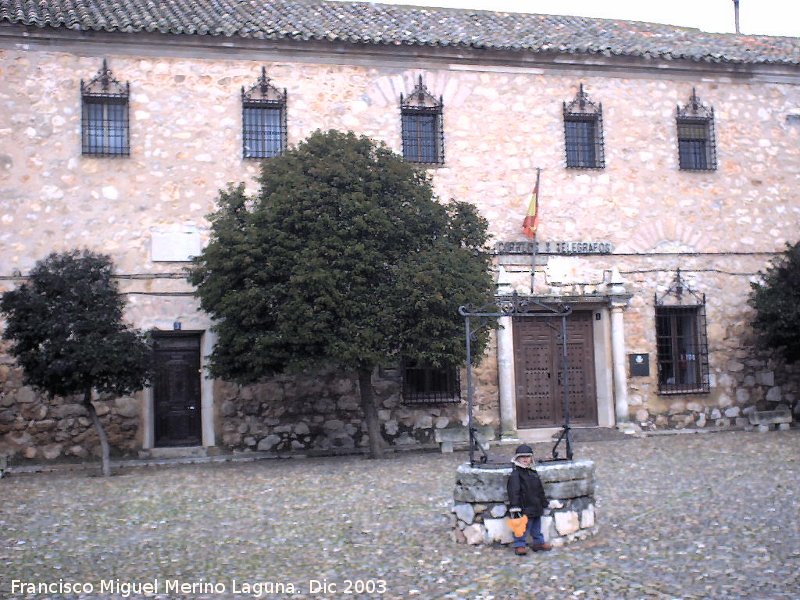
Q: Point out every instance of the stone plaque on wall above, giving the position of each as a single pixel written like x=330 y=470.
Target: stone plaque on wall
x=177 y=245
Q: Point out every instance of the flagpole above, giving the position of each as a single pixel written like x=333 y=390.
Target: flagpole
x=534 y=243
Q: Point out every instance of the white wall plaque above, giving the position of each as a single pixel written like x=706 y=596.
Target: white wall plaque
x=175 y=245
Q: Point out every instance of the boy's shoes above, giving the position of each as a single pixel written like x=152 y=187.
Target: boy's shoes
x=541 y=547
x=521 y=551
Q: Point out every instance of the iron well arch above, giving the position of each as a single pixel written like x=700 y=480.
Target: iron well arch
x=516 y=306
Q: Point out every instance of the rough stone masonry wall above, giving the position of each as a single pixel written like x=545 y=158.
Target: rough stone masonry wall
x=758 y=382
x=323 y=413
x=185 y=145
x=33 y=426
x=743 y=376
x=320 y=413
x=480 y=503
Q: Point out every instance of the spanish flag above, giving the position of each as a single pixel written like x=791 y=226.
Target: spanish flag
x=531 y=222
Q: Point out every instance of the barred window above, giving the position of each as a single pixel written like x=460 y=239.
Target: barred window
x=696 y=144
x=693 y=145
x=422 y=126
x=263 y=119
x=104 y=115
x=581 y=136
x=682 y=343
x=427 y=385
x=583 y=132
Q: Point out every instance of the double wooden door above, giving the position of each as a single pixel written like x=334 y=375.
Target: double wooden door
x=540 y=374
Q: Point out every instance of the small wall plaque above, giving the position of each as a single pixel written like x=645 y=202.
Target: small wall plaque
x=175 y=245
x=640 y=365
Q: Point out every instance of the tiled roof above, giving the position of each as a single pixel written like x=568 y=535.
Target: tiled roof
x=383 y=24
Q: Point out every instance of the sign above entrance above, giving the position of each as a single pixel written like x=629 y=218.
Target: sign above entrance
x=557 y=247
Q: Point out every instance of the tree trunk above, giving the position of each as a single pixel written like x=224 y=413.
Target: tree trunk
x=101 y=433
x=370 y=412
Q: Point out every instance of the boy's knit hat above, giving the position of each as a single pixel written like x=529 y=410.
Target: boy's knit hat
x=523 y=450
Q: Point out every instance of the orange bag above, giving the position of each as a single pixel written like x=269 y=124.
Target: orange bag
x=518 y=525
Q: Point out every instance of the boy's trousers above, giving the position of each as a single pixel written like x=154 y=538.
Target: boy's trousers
x=534 y=529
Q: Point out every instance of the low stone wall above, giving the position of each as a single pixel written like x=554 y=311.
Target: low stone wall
x=323 y=414
x=480 y=504
x=33 y=426
x=319 y=414
x=753 y=380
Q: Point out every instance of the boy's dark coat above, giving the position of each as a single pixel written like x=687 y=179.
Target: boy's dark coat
x=525 y=490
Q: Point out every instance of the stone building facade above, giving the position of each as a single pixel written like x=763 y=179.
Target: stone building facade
x=654 y=255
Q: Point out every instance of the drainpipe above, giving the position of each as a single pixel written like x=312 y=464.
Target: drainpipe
x=736 y=14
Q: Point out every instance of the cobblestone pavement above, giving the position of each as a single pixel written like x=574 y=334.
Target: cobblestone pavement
x=683 y=516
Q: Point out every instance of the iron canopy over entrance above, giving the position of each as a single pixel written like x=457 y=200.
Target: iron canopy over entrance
x=475 y=318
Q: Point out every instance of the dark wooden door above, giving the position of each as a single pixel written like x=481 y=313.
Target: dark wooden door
x=539 y=371
x=176 y=390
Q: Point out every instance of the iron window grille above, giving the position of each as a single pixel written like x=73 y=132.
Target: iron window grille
x=428 y=385
x=583 y=132
x=422 y=126
x=263 y=119
x=681 y=340
x=696 y=144
x=105 y=126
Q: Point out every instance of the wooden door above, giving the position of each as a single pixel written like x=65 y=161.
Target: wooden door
x=540 y=375
x=176 y=390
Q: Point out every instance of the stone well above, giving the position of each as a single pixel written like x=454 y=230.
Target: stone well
x=480 y=504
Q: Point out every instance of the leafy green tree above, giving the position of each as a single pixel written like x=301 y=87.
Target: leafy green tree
x=343 y=259
x=66 y=331
x=777 y=303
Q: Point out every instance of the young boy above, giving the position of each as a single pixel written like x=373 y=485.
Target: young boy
x=526 y=496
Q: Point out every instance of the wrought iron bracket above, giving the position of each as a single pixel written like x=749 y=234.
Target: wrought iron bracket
x=694 y=109
x=263 y=93
x=105 y=85
x=421 y=99
x=674 y=296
